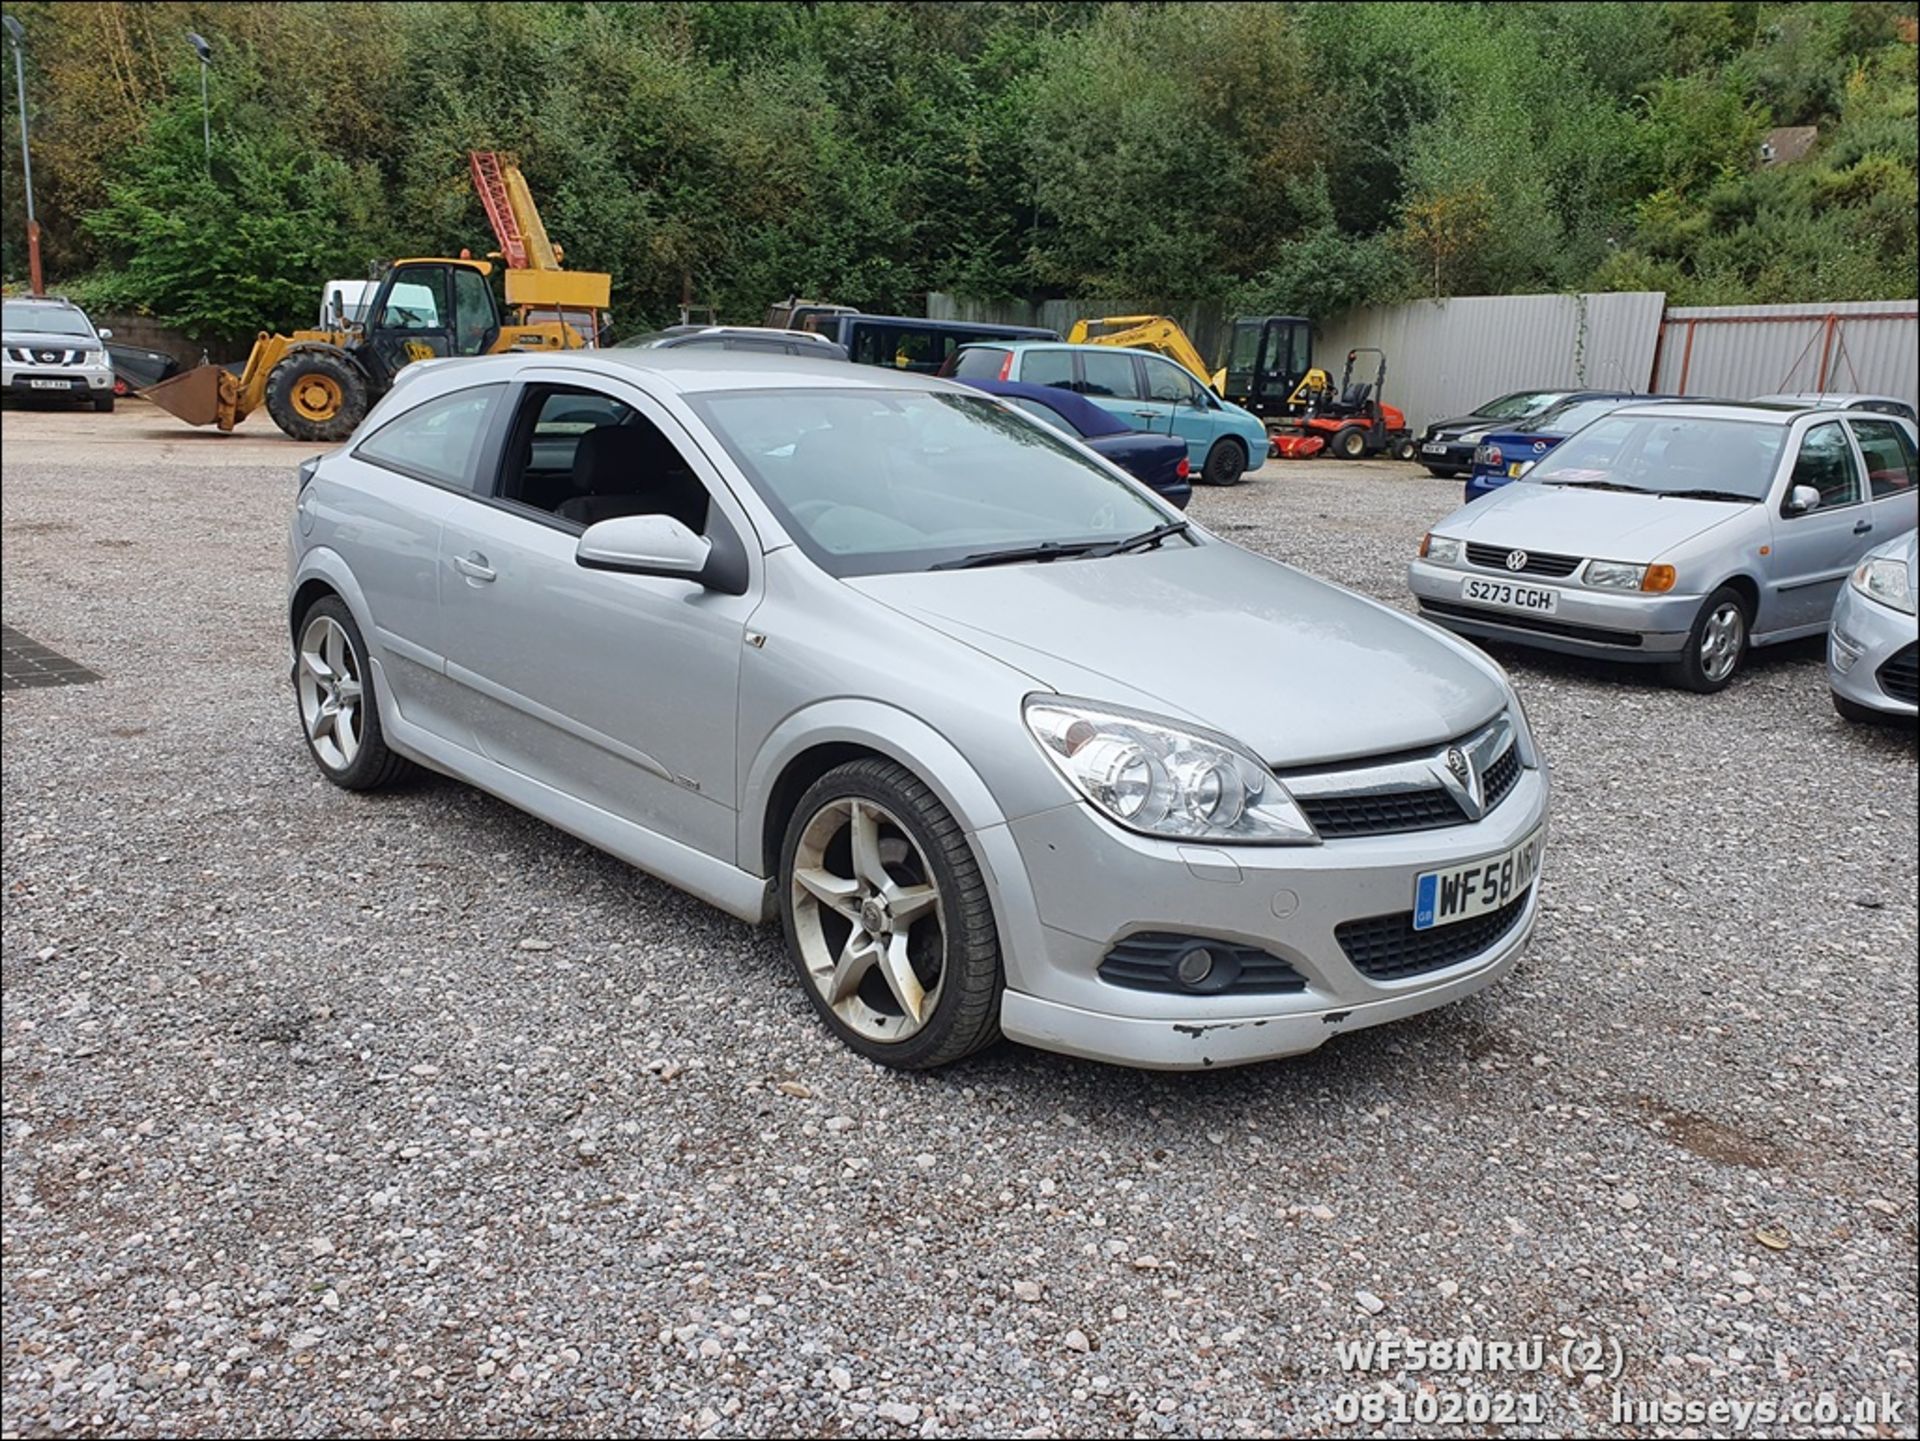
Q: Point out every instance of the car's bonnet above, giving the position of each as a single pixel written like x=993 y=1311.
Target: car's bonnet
x=1298 y=670
x=1605 y=523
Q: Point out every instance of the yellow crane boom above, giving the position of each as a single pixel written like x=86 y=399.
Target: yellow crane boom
x=1158 y=333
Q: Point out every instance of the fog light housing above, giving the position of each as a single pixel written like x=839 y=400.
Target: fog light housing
x=1195 y=966
x=1846 y=650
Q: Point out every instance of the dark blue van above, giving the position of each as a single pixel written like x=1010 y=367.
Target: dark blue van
x=903 y=342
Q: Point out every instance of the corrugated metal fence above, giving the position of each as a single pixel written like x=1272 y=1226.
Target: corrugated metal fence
x=1742 y=350
x=1446 y=356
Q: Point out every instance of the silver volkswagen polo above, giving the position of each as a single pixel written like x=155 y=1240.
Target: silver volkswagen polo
x=1006 y=745
x=1678 y=534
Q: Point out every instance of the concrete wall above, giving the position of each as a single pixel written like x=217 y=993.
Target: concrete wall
x=148 y=334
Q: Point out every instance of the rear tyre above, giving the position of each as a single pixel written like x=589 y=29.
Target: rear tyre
x=1443 y=472
x=887 y=918
x=1226 y=463
x=103 y=404
x=315 y=395
x=339 y=713
x=1404 y=449
x=1716 y=646
x=1350 y=443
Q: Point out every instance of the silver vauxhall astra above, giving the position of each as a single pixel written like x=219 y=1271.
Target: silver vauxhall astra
x=1006 y=744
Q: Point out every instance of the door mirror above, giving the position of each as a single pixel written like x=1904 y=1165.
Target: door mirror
x=106 y=333
x=644 y=545
x=1801 y=499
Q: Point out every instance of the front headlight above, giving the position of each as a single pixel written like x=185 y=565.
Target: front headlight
x=1440 y=550
x=1163 y=778
x=1885 y=580
x=1615 y=574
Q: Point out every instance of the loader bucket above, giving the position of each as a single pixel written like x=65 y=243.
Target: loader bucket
x=205 y=395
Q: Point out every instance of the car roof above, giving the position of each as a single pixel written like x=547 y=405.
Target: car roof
x=1747 y=410
x=1824 y=400
x=50 y=302
x=1090 y=419
x=808 y=337
x=694 y=369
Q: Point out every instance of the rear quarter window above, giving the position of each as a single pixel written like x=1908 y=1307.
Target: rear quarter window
x=437 y=441
x=978 y=362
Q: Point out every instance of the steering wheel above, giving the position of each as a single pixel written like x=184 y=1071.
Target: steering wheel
x=412 y=319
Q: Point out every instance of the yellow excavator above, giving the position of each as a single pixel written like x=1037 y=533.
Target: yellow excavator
x=317 y=385
x=1158 y=333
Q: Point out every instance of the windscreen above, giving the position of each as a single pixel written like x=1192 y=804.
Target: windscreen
x=1667 y=455
x=875 y=481
x=1566 y=419
x=46 y=319
x=1512 y=407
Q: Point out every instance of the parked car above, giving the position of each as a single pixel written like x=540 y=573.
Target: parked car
x=1675 y=533
x=135 y=368
x=1873 y=659
x=1007 y=745
x=904 y=342
x=764 y=339
x=1507 y=452
x=51 y=351
x=1842 y=400
x=1158 y=461
x=1447 y=446
x=1143 y=390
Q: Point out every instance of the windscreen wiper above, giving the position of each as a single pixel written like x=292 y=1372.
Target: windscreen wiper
x=1707 y=495
x=1046 y=550
x=1146 y=540
x=1598 y=485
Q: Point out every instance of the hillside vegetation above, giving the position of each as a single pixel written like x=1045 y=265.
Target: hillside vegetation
x=1299 y=157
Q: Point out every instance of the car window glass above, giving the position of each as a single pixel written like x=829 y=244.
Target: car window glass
x=1047 y=367
x=1566 y=419
x=473 y=311
x=1887 y=407
x=417 y=303
x=1108 y=373
x=584 y=457
x=1662 y=454
x=1048 y=414
x=437 y=440
x=870 y=481
x=1826 y=463
x=1889 y=455
x=47 y=319
x=1167 y=381
x=979 y=362
x=1511 y=407
x=901 y=348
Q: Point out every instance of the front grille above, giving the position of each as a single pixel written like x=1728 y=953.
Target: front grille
x=1598 y=635
x=1387 y=948
x=26 y=355
x=1494 y=557
x=1337 y=816
x=1148 y=961
x=1900 y=677
x=1501 y=776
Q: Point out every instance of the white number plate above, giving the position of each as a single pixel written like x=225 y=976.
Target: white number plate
x=1442 y=897
x=1539 y=599
x=1434 y=447
x=50 y=385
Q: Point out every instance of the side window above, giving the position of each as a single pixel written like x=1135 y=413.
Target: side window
x=418 y=301
x=1890 y=456
x=584 y=457
x=438 y=441
x=1887 y=407
x=1108 y=373
x=1167 y=381
x=1826 y=463
x=1047 y=367
x=1048 y=414
x=473 y=312
x=978 y=362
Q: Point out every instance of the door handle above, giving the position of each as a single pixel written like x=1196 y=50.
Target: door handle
x=473 y=567
x=1863 y=527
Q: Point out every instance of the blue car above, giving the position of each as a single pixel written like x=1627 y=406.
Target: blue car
x=1142 y=390
x=1157 y=461
x=1504 y=455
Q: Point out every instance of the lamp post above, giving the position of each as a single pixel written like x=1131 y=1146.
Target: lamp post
x=205 y=52
x=17 y=33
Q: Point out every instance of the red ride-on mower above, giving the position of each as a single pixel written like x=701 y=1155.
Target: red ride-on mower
x=1350 y=422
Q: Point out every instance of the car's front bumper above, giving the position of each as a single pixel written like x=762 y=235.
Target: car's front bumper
x=75 y=381
x=1871 y=654
x=1453 y=455
x=1620 y=625
x=1095 y=886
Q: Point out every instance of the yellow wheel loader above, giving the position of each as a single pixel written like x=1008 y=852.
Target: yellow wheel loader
x=319 y=384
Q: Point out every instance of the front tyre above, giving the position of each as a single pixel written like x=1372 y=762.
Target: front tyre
x=887 y=918
x=339 y=713
x=1716 y=645
x=1350 y=443
x=1226 y=463
x=103 y=404
x=315 y=395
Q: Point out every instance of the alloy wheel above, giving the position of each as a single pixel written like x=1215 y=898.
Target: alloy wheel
x=330 y=693
x=869 y=920
x=1721 y=641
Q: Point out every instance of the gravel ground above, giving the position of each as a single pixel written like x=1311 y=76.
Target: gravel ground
x=407 y=1114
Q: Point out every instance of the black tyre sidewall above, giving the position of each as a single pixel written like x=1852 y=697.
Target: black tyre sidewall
x=1220 y=468
x=353 y=396
x=1345 y=441
x=375 y=764
x=103 y=404
x=972 y=980
x=1687 y=672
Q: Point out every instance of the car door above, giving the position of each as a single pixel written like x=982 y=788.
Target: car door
x=382 y=512
x=1110 y=380
x=1893 y=480
x=1180 y=407
x=1814 y=550
x=619 y=690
